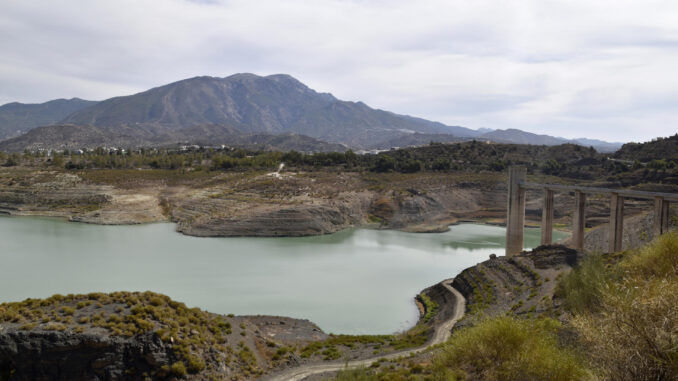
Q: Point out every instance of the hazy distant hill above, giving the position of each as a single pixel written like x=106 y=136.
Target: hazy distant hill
x=523 y=137
x=600 y=145
x=18 y=118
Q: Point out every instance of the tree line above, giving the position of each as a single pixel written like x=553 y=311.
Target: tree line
x=568 y=160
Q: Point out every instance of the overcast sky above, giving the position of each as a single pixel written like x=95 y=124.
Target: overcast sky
x=597 y=69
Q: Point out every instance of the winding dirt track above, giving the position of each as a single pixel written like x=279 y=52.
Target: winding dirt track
x=441 y=334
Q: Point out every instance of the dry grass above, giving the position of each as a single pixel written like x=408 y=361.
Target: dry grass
x=631 y=326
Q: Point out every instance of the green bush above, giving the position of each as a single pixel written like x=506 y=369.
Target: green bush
x=178 y=369
x=430 y=307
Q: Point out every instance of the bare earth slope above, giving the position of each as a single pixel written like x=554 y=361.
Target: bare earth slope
x=251 y=203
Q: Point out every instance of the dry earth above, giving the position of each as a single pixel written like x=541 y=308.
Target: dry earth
x=268 y=204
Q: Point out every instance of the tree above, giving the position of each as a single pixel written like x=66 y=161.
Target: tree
x=385 y=163
x=441 y=164
x=411 y=166
x=12 y=160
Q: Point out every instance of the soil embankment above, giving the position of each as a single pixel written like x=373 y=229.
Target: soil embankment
x=521 y=284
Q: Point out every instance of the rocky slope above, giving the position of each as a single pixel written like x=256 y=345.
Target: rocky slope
x=139 y=336
x=73 y=137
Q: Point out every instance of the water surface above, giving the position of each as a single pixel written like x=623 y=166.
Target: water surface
x=354 y=281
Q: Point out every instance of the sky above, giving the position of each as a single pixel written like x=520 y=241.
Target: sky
x=597 y=69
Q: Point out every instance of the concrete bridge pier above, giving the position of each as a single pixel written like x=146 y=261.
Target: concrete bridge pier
x=579 y=220
x=547 y=218
x=515 y=220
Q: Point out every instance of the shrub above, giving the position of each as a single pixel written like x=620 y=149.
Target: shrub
x=507 y=348
x=660 y=258
x=632 y=334
x=178 y=369
x=635 y=335
x=582 y=288
x=195 y=364
x=430 y=307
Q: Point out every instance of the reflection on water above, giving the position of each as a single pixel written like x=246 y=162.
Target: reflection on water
x=354 y=281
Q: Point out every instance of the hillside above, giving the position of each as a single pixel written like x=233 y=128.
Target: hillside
x=18 y=118
x=72 y=137
x=417 y=139
x=138 y=336
x=657 y=149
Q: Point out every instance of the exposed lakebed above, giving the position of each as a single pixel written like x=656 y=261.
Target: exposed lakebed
x=355 y=281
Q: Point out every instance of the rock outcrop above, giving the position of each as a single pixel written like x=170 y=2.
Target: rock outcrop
x=54 y=355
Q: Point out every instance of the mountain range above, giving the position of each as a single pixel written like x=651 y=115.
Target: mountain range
x=233 y=110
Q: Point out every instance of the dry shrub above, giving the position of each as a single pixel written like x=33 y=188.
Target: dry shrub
x=635 y=336
x=508 y=348
x=658 y=259
x=633 y=333
x=581 y=290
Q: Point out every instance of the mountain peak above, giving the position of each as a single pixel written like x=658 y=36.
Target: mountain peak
x=250 y=103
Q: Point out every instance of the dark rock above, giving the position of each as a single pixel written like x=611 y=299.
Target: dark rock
x=549 y=256
x=51 y=355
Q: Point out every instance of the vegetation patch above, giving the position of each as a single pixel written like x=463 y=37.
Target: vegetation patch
x=430 y=307
x=508 y=348
x=333 y=347
x=191 y=331
x=503 y=348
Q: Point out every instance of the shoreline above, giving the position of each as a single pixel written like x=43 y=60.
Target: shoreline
x=413 y=228
x=441 y=332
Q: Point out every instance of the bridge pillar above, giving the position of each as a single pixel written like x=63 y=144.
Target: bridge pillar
x=515 y=219
x=579 y=220
x=547 y=218
x=661 y=216
x=616 y=223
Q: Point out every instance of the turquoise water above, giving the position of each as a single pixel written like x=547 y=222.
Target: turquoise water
x=355 y=281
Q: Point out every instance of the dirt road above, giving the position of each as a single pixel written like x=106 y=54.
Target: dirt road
x=441 y=334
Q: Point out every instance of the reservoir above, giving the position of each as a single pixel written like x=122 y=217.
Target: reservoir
x=356 y=281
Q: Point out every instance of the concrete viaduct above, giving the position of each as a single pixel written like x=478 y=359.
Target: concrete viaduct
x=515 y=221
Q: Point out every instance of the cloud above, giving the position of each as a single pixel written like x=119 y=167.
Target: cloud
x=600 y=69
